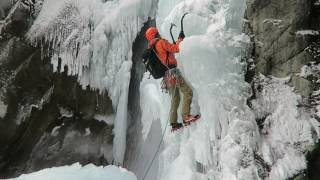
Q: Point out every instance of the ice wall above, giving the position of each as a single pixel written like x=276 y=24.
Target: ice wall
x=210 y=59
x=226 y=143
x=93 y=38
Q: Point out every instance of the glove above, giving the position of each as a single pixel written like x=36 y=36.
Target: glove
x=181 y=35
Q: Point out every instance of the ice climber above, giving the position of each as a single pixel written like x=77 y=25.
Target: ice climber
x=173 y=80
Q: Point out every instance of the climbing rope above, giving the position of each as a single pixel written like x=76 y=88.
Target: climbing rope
x=158 y=149
x=161 y=140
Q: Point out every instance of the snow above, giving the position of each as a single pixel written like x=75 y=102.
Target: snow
x=287 y=131
x=305 y=71
x=65 y=112
x=88 y=132
x=3 y=109
x=275 y=22
x=55 y=131
x=108 y=119
x=76 y=171
x=307 y=32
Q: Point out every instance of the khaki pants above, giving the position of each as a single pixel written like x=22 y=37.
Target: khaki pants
x=185 y=89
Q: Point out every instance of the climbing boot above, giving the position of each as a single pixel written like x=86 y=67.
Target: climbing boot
x=187 y=119
x=176 y=126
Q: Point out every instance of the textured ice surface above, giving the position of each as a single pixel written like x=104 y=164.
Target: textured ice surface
x=226 y=142
x=288 y=131
x=76 y=171
x=227 y=134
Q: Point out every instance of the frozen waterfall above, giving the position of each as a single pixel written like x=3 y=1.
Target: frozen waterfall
x=94 y=38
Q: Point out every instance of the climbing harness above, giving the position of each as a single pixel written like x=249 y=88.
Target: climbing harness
x=171 y=78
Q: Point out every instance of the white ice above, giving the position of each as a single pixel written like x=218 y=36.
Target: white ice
x=288 y=131
x=76 y=171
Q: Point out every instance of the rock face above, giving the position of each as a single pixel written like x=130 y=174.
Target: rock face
x=46 y=118
x=282 y=34
x=279 y=37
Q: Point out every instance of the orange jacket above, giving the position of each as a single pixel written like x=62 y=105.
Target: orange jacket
x=165 y=48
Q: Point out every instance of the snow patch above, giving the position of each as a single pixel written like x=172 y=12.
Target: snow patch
x=275 y=22
x=108 y=119
x=76 y=171
x=307 y=32
x=65 y=112
x=3 y=109
x=305 y=71
x=88 y=132
x=55 y=131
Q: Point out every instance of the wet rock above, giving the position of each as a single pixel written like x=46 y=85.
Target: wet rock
x=279 y=48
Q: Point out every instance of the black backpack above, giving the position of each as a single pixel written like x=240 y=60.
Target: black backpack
x=153 y=64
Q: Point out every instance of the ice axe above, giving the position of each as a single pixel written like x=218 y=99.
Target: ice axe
x=184 y=15
x=172 y=25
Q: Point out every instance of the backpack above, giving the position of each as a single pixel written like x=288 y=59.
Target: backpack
x=153 y=64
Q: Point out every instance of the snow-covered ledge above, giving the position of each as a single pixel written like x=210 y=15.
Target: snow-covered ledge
x=76 y=171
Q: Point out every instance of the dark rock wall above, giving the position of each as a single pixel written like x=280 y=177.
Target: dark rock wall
x=48 y=119
x=277 y=49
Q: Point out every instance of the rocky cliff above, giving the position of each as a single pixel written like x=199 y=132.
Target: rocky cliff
x=46 y=119
x=281 y=31
x=284 y=43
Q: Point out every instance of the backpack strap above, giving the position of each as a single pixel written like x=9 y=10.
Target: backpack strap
x=167 y=60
